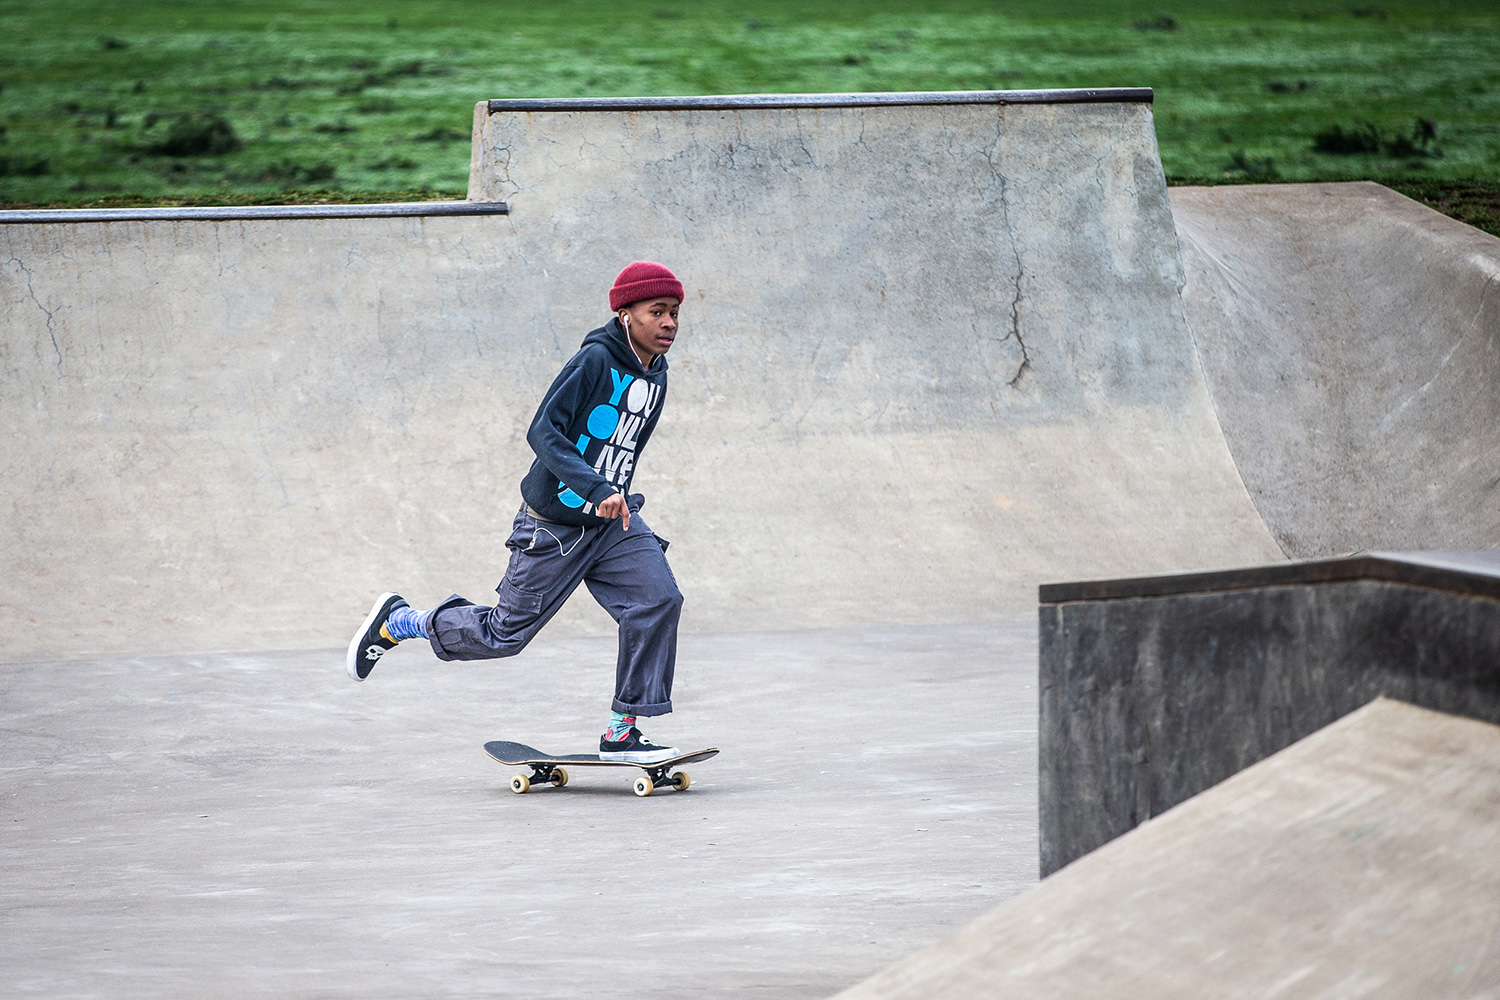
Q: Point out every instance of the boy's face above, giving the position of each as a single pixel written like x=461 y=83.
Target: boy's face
x=652 y=324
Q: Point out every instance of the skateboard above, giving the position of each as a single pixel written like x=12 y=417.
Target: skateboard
x=548 y=769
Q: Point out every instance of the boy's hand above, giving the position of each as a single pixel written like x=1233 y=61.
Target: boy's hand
x=614 y=507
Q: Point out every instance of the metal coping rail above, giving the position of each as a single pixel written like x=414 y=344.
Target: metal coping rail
x=1414 y=569
x=250 y=213
x=781 y=102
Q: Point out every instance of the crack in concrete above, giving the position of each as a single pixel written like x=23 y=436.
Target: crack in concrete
x=1015 y=324
x=812 y=161
x=502 y=171
x=1016 y=254
x=49 y=313
x=1015 y=248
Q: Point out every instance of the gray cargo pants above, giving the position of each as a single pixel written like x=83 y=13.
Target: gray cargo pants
x=628 y=575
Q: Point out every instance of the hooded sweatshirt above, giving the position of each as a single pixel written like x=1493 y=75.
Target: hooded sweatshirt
x=591 y=428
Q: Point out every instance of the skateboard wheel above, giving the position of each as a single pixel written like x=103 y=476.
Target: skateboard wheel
x=681 y=781
x=519 y=783
x=559 y=777
x=643 y=786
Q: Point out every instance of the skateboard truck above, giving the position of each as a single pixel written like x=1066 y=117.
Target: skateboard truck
x=659 y=778
x=540 y=773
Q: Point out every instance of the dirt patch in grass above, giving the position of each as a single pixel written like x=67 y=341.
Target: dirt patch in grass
x=1474 y=202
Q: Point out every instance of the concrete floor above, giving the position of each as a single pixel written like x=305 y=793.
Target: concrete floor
x=259 y=825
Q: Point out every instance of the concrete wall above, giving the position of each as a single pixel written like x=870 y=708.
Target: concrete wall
x=1149 y=698
x=931 y=356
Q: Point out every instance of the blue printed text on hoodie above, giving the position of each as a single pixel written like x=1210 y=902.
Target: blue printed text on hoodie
x=591 y=428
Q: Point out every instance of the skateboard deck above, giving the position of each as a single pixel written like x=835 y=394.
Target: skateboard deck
x=551 y=770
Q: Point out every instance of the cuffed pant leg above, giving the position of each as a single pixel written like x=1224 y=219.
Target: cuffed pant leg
x=547 y=562
x=632 y=581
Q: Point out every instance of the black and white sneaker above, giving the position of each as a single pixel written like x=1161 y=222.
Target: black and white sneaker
x=368 y=645
x=634 y=749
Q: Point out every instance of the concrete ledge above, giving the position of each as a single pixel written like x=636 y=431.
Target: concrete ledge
x=254 y=212
x=1476 y=573
x=1153 y=690
x=738 y=102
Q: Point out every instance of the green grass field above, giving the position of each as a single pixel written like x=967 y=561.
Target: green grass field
x=254 y=101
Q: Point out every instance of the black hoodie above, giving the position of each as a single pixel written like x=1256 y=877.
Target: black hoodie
x=592 y=426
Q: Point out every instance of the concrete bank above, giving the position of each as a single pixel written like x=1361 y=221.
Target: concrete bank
x=1358 y=862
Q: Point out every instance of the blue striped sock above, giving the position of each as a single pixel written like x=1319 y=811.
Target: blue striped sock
x=619 y=726
x=405 y=623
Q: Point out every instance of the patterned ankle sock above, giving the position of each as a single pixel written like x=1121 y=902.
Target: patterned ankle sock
x=405 y=623
x=619 y=727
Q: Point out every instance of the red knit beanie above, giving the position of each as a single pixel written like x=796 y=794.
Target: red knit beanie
x=643 y=280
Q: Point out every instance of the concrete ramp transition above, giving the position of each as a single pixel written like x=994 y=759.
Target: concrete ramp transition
x=1360 y=861
x=1351 y=339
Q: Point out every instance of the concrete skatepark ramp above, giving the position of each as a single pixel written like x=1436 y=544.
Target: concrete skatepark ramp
x=933 y=354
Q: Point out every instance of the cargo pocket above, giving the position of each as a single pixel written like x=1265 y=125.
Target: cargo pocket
x=662 y=542
x=522 y=607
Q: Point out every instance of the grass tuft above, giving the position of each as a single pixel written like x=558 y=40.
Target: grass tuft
x=441 y=134
x=195 y=133
x=1362 y=138
x=290 y=174
x=24 y=166
x=1252 y=168
x=1161 y=22
x=1365 y=138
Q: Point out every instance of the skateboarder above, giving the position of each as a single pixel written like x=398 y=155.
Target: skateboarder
x=579 y=523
